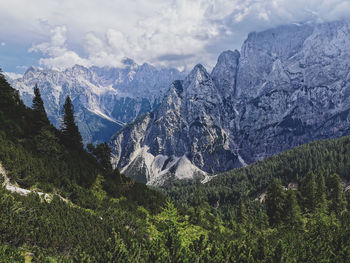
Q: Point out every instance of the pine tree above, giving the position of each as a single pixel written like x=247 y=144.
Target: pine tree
x=275 y=202
x=40 y=117
x=321 y=201
x=70 y=132
x=337 y=200
x=102 y=152
x=291 y=215
x=308 y=192
x=9 y=97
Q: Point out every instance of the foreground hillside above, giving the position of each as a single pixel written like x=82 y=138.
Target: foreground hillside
x=95 y=214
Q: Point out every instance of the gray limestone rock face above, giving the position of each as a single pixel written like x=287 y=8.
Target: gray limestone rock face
x=298 y=94
x=288 y=86
x=104 y=98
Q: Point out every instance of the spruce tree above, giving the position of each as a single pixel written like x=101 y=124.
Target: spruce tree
x=275 y=202
x=337 y=200
x=102 y=152
x=70 y=132
x=291 y=215
x=40 y=117
x=308 y=192
x=321 y=201
x=9 y=97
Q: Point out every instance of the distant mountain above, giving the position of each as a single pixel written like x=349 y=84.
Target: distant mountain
x=288 y=86
x=104 y=98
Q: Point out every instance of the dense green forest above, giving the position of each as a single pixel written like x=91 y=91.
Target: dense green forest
x=324 y=157
x=95 y=214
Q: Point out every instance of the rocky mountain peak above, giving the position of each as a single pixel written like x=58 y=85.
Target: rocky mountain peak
x=30 y=69
x=224 y=73
x=228 y=58
x=78 y=69
x=129 y=62
x=289 y=85
x=104 y=98
x=198 y=73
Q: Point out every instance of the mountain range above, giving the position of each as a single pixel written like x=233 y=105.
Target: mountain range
x=287 y=86
x=105 y=99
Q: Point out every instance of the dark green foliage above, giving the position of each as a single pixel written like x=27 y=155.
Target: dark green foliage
x=308 y=191
x=301 y=228
x=278 y=254
x=9 y=98
x=242 y=216
x=322 y=157
x=321 y=202
x=70 y=132
x=102 y=152
x=337 y=202
x=275 y=199
x=39 y=114
x=291 y=211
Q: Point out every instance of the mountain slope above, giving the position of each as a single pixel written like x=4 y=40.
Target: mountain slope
x=288 y=86
x=104 y=98
x=184 y=133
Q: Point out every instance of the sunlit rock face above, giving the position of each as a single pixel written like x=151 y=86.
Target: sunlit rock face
x=104 y=98
x=288 y=86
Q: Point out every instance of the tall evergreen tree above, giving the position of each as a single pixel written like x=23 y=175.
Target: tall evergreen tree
x=275 y=202
x=308 y=192
x=40 y=117
x=102 y=152
x=291 y=215
x=321 y=201
x=70 y=131
x=337 y=202
x=9 y=97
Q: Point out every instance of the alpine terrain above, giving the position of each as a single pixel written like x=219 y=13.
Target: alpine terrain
x=104 y=98
x=287 y=86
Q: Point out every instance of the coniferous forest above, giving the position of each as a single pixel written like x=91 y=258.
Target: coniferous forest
x=293 y=207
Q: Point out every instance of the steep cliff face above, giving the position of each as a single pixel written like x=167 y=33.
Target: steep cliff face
x=288 y=86
x=184 y=138
x=294 y=89
x=104 y=98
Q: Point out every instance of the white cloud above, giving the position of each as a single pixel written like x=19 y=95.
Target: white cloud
x=13 y=75
x=2 y=44
x=59 y=57
x=162 y=32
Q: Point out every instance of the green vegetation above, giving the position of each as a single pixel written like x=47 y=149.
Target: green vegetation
x=95 y=214
x=70 y=132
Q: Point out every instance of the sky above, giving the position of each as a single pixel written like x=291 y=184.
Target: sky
x=165 y=33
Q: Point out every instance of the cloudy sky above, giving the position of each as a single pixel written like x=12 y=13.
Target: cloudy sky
x=177 y=33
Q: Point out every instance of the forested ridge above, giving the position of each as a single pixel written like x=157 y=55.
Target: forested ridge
x=110 y=218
